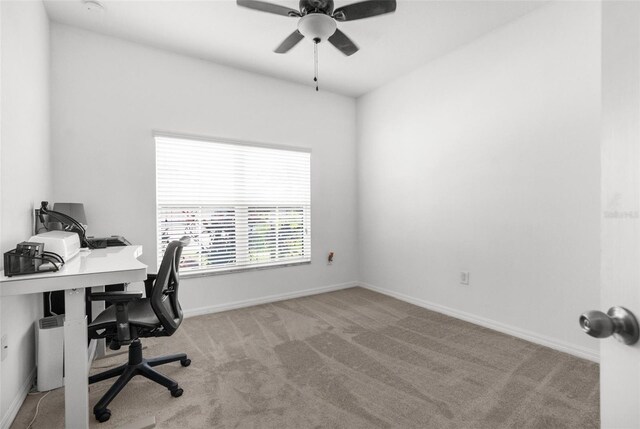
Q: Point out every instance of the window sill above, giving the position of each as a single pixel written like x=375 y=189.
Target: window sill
x=195 y=274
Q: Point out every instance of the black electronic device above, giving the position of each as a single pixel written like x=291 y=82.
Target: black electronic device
x=30 y=252
x=112 y=241
x=30 y=258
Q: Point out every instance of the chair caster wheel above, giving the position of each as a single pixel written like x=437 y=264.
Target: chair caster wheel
x=177 y=392
x=185 y=362
x=103 y=415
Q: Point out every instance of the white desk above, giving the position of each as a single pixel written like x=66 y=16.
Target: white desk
x=95 y=268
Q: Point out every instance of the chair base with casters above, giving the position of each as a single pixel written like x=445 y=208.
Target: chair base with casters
x=137 y=365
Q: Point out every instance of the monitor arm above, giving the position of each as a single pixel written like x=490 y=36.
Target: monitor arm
x=73 y=225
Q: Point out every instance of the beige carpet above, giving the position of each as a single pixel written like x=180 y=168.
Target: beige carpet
x=348 y=359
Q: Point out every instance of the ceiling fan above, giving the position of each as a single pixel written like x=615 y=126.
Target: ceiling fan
x=318 y=20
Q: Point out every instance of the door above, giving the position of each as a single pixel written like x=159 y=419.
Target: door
x=620 y=275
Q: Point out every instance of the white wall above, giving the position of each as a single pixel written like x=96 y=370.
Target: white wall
x=107 y=97
x=487 y=161
x=25 y=175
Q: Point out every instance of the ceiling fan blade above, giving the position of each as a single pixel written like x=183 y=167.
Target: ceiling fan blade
x=343 y=43
x=289 y=42
x=267 y=7
x=364 y=9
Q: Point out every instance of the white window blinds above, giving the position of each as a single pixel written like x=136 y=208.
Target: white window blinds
x=244 y=206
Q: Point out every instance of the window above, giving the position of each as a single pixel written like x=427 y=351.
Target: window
x=244 y=206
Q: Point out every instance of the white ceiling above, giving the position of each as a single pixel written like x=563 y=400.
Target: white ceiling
x=390 y=45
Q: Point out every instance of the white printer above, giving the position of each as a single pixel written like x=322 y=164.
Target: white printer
x=64 y=243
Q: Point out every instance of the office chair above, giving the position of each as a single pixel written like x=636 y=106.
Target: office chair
x=132 y=317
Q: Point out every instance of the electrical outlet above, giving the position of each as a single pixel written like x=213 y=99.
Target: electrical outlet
x=464 y=277
x=4 y=347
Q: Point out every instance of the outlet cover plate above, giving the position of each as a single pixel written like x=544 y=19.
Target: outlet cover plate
x=4 y=347
x=464 y=278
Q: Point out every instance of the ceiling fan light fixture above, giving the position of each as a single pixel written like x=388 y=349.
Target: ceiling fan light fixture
x=317 y=26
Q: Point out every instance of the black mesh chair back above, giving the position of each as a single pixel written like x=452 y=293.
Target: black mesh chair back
x=164 y=292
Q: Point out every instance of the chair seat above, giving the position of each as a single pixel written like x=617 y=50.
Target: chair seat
x=141 y=314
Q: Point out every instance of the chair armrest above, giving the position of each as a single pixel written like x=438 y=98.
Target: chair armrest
x=115 y=296
x=120 y=300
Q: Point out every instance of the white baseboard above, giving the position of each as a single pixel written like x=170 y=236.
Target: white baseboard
x=17 y=402
x=265 y=299
x=533 y=337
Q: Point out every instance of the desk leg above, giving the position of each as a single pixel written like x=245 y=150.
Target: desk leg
x=76 y=365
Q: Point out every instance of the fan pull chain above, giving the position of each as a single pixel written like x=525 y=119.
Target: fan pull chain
x=315 y=61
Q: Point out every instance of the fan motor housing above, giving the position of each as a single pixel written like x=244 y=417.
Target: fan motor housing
x=316 y=6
